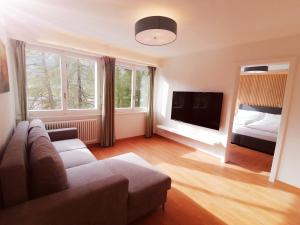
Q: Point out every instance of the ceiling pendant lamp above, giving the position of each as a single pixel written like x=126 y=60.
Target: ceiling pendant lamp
x=156 y=30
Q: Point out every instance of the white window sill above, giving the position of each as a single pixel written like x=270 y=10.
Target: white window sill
x=60 y=115
x=80 y=114
x=129 y=111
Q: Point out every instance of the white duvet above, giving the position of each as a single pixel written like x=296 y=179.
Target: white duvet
x=244 y=117
x=260 y=134
x=259 y=126
x=269 y=123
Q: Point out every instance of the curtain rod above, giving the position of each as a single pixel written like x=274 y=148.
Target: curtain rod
x=86 y=52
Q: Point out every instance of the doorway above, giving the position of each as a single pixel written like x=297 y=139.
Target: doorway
x=257 y=116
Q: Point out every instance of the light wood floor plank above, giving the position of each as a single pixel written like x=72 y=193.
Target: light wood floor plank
x=206 y=191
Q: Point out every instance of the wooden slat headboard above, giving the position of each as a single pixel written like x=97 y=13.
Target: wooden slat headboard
x=262 y=90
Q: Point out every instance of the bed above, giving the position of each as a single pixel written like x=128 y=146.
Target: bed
x=256 y=127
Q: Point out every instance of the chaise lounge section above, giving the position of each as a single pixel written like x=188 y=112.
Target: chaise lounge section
x=51 y=177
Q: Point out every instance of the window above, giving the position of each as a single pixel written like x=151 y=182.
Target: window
x=131 y=87
x=60 y=82
x=43 y=80
x=123 y=80
x=141 y=88
x=80 y=83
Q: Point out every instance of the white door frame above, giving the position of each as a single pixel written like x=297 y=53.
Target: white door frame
x=292 y=61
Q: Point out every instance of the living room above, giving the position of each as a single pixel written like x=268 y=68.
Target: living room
x=112 y=98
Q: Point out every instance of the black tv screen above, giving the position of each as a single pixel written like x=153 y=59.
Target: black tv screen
x=198 y=108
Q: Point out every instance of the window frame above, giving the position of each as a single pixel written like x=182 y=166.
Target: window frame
x=133 y=68
x=64 y=111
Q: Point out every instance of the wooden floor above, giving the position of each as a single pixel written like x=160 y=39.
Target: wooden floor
x=249 y=159
x=205 y=191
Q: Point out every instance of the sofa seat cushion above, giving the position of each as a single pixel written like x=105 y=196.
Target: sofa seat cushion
x=76 y=157
x=147 y=187
x=47 y=172
x=88 y=173
x=67 y=145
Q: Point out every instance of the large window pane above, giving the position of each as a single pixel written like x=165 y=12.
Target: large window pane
x=43 y=80
x=81 y=83
x=141 y=89
x=123 y=79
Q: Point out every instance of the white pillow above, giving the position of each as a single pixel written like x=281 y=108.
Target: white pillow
x=244 y=117
x=270 y=123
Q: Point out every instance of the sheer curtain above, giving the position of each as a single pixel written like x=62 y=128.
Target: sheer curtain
x=20 y=71
x=149 y=116
x=108 y=102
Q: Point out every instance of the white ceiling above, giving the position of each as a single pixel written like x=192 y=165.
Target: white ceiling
x=202 y=24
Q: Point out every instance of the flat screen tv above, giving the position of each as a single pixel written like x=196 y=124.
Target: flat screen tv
x=198 y=108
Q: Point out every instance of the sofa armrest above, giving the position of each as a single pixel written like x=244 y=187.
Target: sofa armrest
x=63 y=134
x=103 y=202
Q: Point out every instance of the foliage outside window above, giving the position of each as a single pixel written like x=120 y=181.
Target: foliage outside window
x=46 y=79
x=141 y=88
x=123 y=80
x=43 y=80
x=131 y=87
x=57 y=81
x=81 y=83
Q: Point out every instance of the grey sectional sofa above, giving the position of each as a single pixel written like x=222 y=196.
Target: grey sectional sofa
x=51 y=178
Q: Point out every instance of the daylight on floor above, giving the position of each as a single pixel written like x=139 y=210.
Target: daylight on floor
x=149 y=112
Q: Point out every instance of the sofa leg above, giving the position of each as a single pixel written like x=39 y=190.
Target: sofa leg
x=163 y=206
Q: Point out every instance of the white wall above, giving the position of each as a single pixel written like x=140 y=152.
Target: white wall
x=129 y=124
x=7 y=111
x=194 y=73
x=290 y=159
x=217 y=70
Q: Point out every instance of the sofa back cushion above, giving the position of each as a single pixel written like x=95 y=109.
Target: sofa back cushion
x=35 y=133
x=13 y=168
x=36 y=129
x=36 y=123
x=47 y=173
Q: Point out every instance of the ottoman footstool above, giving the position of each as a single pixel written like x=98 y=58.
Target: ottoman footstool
x=147 y=187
